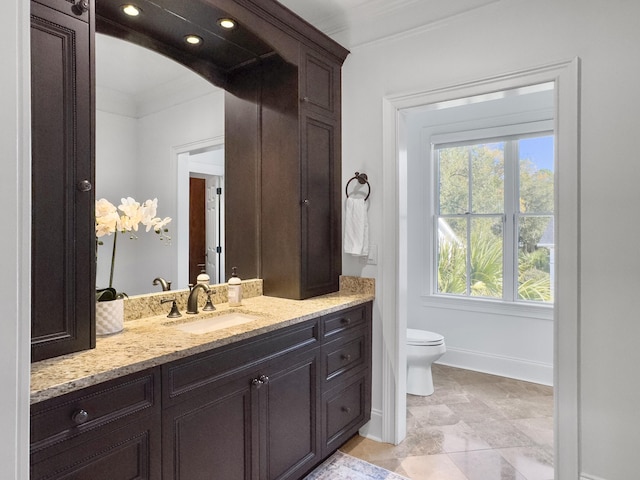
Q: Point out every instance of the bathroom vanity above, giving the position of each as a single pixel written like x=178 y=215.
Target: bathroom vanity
x=267 y=399
x=282 y=147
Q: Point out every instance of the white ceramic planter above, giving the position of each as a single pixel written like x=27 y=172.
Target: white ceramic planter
x=109 y=317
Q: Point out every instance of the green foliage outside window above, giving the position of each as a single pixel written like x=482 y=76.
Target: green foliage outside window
x=471 y=198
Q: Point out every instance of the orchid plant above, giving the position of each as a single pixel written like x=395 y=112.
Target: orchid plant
x=127 y=218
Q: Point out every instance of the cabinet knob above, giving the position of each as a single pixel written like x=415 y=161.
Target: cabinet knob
x=345 y=321
x=305 y=99
x=346 y=409
x=261 y=380
x=346 y=358
x=84 y=186
x=80 y=7
x=80 y=416
x=306 y=202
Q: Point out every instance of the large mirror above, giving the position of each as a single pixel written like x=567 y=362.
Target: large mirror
x=159 y=134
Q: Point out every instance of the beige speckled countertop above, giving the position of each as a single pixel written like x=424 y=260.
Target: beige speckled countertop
x=152 y=341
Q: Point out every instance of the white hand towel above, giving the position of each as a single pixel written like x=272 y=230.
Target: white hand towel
x=356 y=227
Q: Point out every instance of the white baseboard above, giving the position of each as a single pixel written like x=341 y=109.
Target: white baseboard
x=584 y=476
x=373 y=429
x=529 y=371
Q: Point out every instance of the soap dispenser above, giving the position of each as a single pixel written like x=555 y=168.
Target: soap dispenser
x=234 y=287
x=203 y=277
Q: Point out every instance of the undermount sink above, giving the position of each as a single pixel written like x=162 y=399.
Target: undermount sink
x=213 y=323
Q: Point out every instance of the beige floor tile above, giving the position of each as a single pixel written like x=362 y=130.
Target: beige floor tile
x=433 y=415
x=431 y=467
x=369 y=450
x=474 y=427
x=458 y=438
x=533 y=462
x=485 y=465
x=501 y=434
x=540 y=430
x=526 y=407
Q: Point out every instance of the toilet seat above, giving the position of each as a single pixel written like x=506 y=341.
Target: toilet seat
x=423 y=337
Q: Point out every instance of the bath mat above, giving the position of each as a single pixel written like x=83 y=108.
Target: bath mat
x=341 y=466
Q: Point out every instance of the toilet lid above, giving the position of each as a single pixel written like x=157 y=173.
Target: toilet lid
x=423 y=337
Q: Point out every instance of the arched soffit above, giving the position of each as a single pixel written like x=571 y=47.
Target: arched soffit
x=163 y=26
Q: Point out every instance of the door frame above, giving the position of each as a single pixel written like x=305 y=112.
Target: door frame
x=566 y=76
x=180 y=157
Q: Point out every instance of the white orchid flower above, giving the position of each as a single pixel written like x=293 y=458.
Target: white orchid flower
x=158 y=224
x=107 y=218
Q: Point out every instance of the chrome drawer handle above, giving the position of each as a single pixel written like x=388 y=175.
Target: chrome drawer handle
x=261 y=380
x=79 y=417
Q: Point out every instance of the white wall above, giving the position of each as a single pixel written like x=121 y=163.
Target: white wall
x=136 y=157
x=516 y=35
x=15 y=242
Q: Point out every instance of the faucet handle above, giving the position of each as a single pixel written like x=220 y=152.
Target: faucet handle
x=174 y=313
x=209 y=305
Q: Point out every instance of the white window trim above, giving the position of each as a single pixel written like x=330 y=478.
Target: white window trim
x=430 y=298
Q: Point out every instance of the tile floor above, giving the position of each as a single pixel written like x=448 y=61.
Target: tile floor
x=474 y=427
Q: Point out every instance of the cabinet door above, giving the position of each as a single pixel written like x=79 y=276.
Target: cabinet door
x=319 y=83
x=209 y=436
x=131 y=452
x=290 y=430
x=320 y=168
x=63 y=259
x=321 y=216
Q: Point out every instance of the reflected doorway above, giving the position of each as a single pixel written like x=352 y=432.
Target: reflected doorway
x=205 y=223
x=201 y=231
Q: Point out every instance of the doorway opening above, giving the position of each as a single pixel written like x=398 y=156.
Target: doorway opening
x=201 y=221
x=565 y=77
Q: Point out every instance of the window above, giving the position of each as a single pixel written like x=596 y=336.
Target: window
x=494 y=218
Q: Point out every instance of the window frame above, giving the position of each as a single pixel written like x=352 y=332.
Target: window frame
x=508 y=304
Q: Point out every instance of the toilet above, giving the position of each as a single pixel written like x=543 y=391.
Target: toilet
x=423 y=348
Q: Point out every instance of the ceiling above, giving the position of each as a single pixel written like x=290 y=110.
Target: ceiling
x=349 y=22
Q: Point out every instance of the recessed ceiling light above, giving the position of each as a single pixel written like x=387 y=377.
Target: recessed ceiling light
x=227 y=23
x=131 y=10
x=193 y=39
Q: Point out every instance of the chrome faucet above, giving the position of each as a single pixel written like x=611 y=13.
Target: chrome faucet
x=166 y=286
x=192 y=301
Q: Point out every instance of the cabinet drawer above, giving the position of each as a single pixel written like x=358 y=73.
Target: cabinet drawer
x=345 y=410
x=344 y=355
x=129 y=452
x=219 y=366
x=69 y=415
x=343 y=321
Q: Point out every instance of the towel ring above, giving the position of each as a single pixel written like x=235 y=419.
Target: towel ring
x=362 y=179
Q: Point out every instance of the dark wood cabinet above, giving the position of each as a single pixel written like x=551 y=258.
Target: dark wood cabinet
x=300 y=174
x=244 y=412
x=346 y=374
x=63 y=238
x=107 y=432
x=270 y=407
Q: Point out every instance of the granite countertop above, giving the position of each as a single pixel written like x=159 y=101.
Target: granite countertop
x=152 y=341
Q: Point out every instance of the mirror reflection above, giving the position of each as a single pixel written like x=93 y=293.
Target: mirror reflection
x=159 y=134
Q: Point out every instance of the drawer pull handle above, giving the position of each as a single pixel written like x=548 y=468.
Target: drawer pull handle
x=261 y=380
x=346 y=410
x=80 y=416
x=346 y=358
